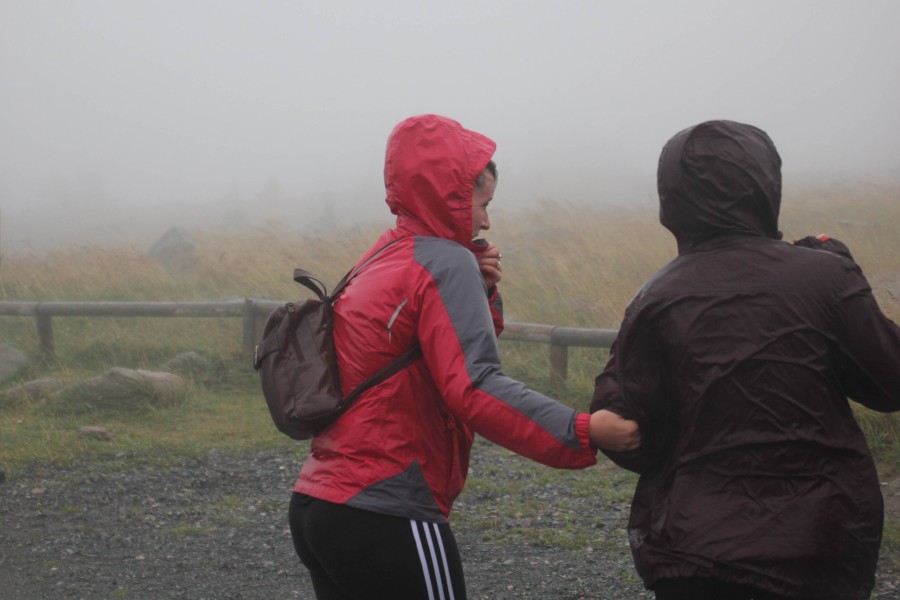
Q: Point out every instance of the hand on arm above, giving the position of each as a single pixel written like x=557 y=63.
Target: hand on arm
x=610 y=431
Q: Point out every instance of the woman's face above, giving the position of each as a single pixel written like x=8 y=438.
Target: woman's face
x=482 y=196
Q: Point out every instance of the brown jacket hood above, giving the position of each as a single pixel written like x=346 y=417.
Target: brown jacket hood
x=719 y=177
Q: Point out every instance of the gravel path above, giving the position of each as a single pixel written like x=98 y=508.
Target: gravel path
x=215 y=528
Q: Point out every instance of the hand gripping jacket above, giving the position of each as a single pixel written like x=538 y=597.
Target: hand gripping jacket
x=403 y=448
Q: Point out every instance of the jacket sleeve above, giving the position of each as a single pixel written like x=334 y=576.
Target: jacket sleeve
x=868 y=340
x=456 y=329
x=495 y=301
x=870 y=346
x=643 y=399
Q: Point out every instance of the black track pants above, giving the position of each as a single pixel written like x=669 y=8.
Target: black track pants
x=355 y=554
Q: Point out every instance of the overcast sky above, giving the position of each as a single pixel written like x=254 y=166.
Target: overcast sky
x=139 y=103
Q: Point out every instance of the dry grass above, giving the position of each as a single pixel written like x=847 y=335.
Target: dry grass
x=569 y=264
x=564 y=264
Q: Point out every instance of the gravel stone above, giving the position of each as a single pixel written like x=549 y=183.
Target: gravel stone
x=215 y=527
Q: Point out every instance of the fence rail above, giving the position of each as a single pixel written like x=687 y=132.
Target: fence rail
x=254 y=311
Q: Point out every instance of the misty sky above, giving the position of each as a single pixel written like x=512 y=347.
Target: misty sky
x=145 y=103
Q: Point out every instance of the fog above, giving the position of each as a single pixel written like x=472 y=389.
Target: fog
x=120 y=119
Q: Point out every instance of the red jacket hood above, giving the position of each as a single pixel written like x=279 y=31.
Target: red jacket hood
x=430 y=167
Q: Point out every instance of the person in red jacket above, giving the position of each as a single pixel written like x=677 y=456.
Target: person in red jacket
x=370 y=508
x=737 y=359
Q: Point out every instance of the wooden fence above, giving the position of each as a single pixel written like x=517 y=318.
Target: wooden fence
x=254 y=311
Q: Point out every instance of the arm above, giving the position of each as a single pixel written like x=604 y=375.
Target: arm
x=638 y=394
x=456 y=331
x=491 y=270
x=868 y=340
x=495 y=301
x=870 y=345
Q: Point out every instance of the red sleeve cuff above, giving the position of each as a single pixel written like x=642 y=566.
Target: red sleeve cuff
x=583 y=431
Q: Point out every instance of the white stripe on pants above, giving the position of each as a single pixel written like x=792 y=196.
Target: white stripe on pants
x=433 y=559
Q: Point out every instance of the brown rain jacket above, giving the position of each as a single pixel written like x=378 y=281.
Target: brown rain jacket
x=738 y=359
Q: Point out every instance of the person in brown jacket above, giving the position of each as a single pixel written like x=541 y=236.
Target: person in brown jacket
x=738 y=359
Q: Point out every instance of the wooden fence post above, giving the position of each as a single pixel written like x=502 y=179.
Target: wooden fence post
x=249 y=318
x=45 y=336
x=559 y=364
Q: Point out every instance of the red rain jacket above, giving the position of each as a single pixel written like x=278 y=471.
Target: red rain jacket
x=403 y=448
x=737 y=359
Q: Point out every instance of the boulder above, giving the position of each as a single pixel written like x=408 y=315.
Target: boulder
x=11 y=361
x=95 y=432
x=36 y=389
x=188 y=362
x=122 y=390
x=175 y=251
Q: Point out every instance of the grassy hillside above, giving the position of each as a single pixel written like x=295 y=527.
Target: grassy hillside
x=568 y=265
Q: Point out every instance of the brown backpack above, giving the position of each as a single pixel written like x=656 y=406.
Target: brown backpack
x=297 y=362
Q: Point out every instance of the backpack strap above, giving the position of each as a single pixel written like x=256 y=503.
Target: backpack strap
x=390 y=369
x=312 y=282
x=394 y=367
x=317 y=286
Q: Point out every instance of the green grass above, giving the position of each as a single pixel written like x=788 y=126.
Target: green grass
x=890 y=542
x=207 y=419
x=564 y=265
x=189 y=530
